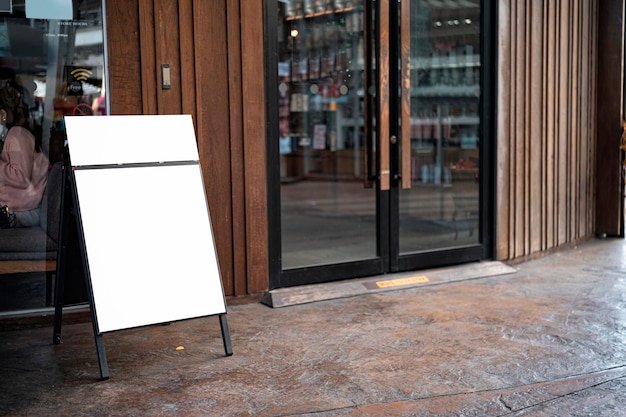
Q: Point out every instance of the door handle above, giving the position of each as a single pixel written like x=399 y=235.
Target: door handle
x=368 y=128
x=383 y=101
x=405 y=91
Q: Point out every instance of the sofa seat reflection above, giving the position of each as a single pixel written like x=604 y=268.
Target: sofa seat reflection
x=34 y=249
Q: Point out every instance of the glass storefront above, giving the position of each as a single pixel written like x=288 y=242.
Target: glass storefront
x=52 y=64
x=380 y=134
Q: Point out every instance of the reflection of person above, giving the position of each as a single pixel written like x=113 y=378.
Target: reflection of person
x=98 y=106
x=23 y=167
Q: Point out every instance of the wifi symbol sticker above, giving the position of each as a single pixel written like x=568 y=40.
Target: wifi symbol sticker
x=81 y=74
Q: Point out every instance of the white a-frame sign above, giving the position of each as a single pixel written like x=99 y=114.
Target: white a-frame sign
x=144 y=229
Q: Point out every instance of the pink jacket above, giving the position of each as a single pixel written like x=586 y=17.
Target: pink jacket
x=23 y=172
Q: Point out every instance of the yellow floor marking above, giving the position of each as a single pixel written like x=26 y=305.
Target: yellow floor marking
x=402 y=281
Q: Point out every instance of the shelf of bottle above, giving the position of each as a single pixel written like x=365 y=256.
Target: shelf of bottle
x=434 y=91
x=455 y=61
x=320 y=13
x=448 y=91
x=471 y=31
x=417 y=122
x=448 y=120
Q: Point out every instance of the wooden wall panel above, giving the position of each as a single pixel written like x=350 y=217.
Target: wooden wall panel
x=588 y=93
x=167 y=42
x=563 y=127
x=503 y=132
x=211 y=70
x=519 y=225
x=187 y=60
x=125 y=81
x=535 y=94
x=146 y=54
x=545 y=190
x=253 y=69
x=215 y=52
x=549 y=210
x=238 y=167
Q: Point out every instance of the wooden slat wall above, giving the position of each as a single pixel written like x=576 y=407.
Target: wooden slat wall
x=215 y=52
x=546 y=124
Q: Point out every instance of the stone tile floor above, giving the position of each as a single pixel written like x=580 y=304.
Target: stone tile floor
x=547 y=340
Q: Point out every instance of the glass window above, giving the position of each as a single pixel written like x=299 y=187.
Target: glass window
x=52 y=64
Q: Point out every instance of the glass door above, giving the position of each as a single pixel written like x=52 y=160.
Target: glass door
x=375 y=161
x=439 y=193
x=327 y=215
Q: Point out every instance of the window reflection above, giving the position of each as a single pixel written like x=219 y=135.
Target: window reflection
x=52 y=53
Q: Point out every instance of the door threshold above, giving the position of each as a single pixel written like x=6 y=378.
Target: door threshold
x=285 y=297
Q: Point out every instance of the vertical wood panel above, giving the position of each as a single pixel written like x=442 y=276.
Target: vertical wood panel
x=125 y=81
x=147 y=55
x=575 y=173
x=238 y=170
x=562 y=110
x=535 y=138
x=211 y=72
x=384 y=66
x=519 y=102
x=254 y=145
x=587 y=150
x=510 y=138
x=545 y=125
x=503 y=132
x=167 y=40
x=583 y=110
x=551 y=127
x=544 y=136
x=527 y=121
x=554 y=133
x=593 y=117
x=187 y=58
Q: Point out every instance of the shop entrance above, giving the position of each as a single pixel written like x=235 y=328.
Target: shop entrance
x=380 y=162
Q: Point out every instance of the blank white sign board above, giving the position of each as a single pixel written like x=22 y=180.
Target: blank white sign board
x=147 y=233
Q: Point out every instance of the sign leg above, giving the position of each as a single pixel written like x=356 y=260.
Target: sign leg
x=59 y=291
x=226 y=335
x=58 y=319
x=102 y=357
x=59 y=288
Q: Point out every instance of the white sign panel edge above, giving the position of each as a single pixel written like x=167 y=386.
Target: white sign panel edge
x=108 y=140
